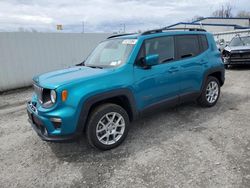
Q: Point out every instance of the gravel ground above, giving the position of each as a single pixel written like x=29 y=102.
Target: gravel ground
x=187 y=146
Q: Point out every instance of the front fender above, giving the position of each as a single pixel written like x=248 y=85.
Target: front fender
x=86 y=105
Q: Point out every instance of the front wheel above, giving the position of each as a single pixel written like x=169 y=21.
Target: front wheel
x=107 y=126
x=210 y=92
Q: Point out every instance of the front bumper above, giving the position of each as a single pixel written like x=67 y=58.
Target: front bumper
x=237 y=59
x=41 y=128
x=236 y=62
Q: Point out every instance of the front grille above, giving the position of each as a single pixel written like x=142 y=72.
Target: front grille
x=240 y=60
x=43 y=95
x=240 y=55
x=39 y=92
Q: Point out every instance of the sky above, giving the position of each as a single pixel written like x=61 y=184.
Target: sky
x=105 y=15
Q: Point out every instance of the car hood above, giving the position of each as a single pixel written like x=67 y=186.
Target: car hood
x=237 y=48
x=52 y=80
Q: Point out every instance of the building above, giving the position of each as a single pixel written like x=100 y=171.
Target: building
x=215 y=24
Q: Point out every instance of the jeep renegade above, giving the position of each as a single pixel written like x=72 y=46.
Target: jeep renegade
x=125 y=76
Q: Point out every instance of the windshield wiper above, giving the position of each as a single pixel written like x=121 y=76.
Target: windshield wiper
x=81 y=64
x=95 y=66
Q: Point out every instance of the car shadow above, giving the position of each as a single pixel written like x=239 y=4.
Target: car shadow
x=240 y=67
x=149 y=131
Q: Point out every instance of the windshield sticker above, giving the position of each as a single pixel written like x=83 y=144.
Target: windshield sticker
x=129 y=41
x=115 y=63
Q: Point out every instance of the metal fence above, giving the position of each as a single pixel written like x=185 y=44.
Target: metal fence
x=228 y=35
x=24 y=54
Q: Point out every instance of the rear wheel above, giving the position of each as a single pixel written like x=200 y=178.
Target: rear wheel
x=107 y=126
x=210 y=93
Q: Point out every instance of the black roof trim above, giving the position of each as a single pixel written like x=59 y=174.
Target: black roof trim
x=169 y=29
x=152 y=31
x=120 y=35
x=186 y=29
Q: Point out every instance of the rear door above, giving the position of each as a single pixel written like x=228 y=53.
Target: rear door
x=192 y=55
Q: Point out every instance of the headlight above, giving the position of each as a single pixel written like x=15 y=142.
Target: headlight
x=53 y=96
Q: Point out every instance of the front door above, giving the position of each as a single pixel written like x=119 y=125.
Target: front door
x=160 y=82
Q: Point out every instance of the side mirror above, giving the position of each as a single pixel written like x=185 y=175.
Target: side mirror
x=151 y=60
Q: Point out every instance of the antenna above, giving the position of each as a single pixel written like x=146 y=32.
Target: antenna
x=201 y=26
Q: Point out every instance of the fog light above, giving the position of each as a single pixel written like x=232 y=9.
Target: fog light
x=57 y=122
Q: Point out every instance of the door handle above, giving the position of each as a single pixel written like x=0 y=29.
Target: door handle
x=173 y=69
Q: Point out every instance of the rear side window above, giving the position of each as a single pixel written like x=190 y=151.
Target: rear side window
x=203 y=42
x=163 y=46
x=187 y=46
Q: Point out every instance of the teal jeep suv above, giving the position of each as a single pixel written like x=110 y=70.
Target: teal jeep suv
x=123 y=78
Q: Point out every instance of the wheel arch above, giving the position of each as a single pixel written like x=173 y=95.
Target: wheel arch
x=121 y=97
x=218 y=73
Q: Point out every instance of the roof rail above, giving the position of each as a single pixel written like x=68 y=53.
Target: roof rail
x=168 y=29
x=152 y=31
x=185 y=29
x=119 y=35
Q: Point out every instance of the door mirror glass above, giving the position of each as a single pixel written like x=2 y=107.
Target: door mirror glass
x=152 y=60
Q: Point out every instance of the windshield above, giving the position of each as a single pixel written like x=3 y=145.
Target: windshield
x=111 y=53
x=240 y=41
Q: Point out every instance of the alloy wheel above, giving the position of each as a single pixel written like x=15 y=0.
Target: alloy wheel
x=110 y=128
x=212 y=92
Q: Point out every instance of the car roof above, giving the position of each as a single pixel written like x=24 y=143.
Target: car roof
x=157 y=34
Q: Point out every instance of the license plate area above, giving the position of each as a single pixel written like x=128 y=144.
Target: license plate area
x=35 y=121
x=30 y=116
x=31 y=113
x=32 y=106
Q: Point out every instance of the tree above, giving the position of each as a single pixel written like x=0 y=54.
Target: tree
x=195 y=18
x=243 y=14
x=224 y=12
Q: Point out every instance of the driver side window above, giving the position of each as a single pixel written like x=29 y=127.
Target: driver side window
x=162 y=46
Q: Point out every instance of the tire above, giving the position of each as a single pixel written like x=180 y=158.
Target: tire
x=104 y=133
x=206 y=100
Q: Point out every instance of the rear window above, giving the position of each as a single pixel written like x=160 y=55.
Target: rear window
x=204 y=44
x=187 y=46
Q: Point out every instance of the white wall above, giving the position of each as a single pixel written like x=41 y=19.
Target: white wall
x=241 y=22
x=23 y=54
x=228 y=36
